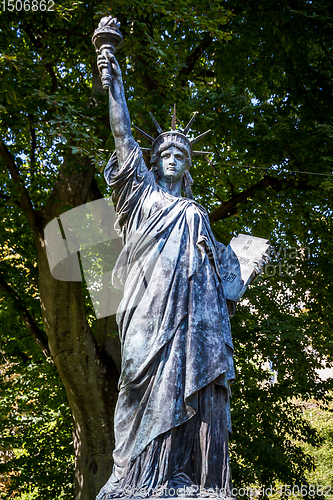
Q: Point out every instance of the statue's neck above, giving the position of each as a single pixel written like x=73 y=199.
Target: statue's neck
x=173 y=188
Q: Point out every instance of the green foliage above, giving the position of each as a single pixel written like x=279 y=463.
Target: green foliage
x=260 y=74
x=35 y=432
x=321 y=418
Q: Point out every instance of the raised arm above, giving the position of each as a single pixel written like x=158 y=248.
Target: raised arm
x=119 y=116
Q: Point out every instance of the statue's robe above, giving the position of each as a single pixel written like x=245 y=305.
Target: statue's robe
x=176 y=343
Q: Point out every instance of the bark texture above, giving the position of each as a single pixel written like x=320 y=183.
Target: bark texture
x=89 y=375
x=86 y=361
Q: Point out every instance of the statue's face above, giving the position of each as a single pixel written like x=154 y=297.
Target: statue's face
x=172 y=164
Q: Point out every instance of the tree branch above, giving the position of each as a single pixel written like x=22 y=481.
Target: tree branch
x=33 y=145
x=25 y=200
x=71 y=188
x=37 y=41
x=94 y=192
x=9 y=199
x=53 y=76
x=193 y=58
x=229 y=206
x=37 y=334
x=201 y=188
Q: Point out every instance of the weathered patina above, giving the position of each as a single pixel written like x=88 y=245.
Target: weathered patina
x=172 y=420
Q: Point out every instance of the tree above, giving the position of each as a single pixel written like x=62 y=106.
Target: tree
x=260 y=75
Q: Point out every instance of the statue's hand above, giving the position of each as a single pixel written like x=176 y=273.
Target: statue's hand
x=262 y=263
x=105 y=60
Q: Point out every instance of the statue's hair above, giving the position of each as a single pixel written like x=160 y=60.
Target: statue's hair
x=187 y=179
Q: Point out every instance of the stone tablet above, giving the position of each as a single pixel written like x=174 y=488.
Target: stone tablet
x=243 y=254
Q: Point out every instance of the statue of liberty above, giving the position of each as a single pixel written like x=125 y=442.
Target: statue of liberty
x=172 y=419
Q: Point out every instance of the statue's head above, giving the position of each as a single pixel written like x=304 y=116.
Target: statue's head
x=171 y=164
x=168 y=139
x=171 y=159
x=173 y=147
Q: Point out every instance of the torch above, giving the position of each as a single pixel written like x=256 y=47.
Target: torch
x=107 y=37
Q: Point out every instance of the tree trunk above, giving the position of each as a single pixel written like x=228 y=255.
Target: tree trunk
x=89 y=375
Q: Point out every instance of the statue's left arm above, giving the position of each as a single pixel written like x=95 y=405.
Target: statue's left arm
x=126 y=172
x=119 y=115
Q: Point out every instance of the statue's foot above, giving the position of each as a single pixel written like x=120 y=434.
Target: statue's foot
x=110 y=490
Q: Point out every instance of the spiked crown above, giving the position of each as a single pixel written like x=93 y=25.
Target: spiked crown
x=164 y=139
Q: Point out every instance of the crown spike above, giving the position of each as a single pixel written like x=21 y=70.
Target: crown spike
x=158 y=128
x=149 y=137
x=188 y=126
x=173 y=123
x=200 y=136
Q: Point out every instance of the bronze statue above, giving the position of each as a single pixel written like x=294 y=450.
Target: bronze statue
x=172 y=420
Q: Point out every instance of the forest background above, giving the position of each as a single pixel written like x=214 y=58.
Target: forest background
x=260 y=75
